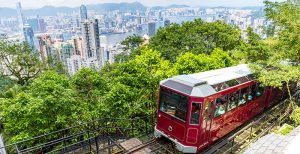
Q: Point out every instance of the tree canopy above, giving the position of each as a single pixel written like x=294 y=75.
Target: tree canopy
x=21 y=62
x=196 y=37
x=282 y=61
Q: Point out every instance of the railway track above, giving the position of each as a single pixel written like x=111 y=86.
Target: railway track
x=154 y=146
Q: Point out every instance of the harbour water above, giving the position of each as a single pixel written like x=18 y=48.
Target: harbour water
x=112 y=39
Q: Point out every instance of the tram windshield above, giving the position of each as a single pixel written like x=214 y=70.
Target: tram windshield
x=173 y=104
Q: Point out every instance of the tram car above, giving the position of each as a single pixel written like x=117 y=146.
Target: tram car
x=196 y=110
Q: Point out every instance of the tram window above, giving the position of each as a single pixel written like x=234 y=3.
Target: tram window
x=173 y=104
x=233 y=100
x=251 y=93
x=208 y=110
x=242 y=79
x=232 y=83
x=221 y=104
x=243 y=96
x=195 y=113
x=220 y=86
x=255 y=91
x=259 y=90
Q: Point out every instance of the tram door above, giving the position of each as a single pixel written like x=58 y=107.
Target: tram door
x=207 y=121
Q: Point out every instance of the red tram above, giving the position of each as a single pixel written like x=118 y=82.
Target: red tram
x=198 y=109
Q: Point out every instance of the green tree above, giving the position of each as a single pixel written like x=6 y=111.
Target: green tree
x=196 y=37
x=190 y=63
x=20 y=61
x=132 y=42
x=255 y=49
x=283 y=61
x=134 y=84
x=47 y=105
x=131 y=48
x=282 y=66
x=5 y=84
x=89 y=88
x=286 y=18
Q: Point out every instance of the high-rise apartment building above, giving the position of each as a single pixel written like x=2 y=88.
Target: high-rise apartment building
x=77 y=43
x=29 y=35
x=47 y=51
x=65 y=51
x=74 y=64
x=151 y=28
x=91 y=41
x=83 y=13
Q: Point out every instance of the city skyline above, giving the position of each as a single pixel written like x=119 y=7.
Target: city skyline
x=29 y=4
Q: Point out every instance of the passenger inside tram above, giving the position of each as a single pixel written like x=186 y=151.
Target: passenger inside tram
x=220 y=109
x=250 y=97
x=232 y=104
x=242 y=100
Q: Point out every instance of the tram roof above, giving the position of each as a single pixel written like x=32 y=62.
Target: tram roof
x=222 y=75
x=204 y=83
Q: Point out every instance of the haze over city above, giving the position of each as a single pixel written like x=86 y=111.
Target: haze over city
x=75 y=3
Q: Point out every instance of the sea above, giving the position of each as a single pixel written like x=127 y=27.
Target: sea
x=113 y=39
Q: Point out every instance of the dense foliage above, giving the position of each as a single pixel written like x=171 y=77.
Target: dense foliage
x=196 y=37
x=20 y=60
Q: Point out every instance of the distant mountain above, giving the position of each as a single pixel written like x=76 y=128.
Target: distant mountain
x=106 y=7
x=52 y=10
x=48 y=10
x=177 y=6
x=253 y=8
x=169 y=7
x=6 y=12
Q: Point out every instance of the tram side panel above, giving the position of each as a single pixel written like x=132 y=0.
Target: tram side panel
x=233 y=118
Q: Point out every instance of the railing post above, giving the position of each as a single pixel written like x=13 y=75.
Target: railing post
x=146 y=125
x=250 y=132
x=88 y=131
x=232 y=145
x=132 y=132
x=97 y=146
x=109 y=148
x=17 y=149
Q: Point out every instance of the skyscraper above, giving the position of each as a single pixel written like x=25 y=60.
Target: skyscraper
x=28 y=35
x=139 y=19
x=91 y=41
x=167 y=22
x=37 y=24
x=83 y=13
x=151 y=28
x=21 y=18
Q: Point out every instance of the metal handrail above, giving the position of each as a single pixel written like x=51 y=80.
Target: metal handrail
x=98 y=127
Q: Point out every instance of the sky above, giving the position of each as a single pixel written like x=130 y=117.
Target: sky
x=73 y=3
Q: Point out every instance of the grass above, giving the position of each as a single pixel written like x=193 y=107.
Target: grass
x=284 y=130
